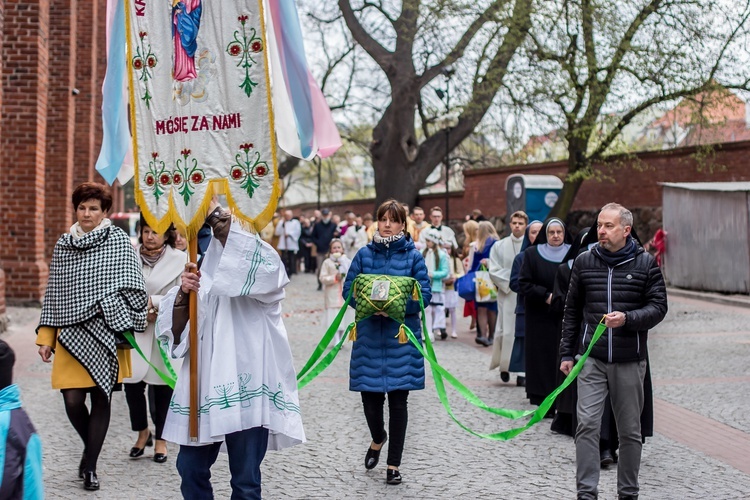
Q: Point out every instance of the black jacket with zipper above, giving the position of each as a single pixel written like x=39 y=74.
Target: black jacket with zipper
x=635 y=287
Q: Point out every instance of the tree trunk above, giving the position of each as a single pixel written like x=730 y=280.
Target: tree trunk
x=393 y=180
x=576 y=164
x=566 y=199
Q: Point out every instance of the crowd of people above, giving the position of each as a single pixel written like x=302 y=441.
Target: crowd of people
x=548 y=304
x=550 y=292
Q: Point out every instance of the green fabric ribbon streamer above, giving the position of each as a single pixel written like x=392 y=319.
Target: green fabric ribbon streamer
x=321 y=347
x=171 y=378
x=439 y=373
x=315 y=366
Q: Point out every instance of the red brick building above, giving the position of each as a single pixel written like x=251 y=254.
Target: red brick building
x=52 y=62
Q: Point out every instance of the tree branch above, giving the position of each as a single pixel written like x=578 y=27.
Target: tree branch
x=379 y=54
x=628 y=117
x=458 y=50
x=625 y=44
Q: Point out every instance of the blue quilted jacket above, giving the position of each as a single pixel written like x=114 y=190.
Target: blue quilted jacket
x=378 y=362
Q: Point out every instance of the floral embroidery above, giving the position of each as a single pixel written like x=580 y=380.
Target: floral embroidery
x=144 y=62
x=244 y=45
x=187 y=175
x=157 y=178
x=248 y=170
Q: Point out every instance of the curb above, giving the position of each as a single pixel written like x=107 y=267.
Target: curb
x=716 y=298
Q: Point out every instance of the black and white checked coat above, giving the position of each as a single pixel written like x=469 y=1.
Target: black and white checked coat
x=95 y=290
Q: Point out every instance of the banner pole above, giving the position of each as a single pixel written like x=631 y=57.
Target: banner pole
x=193 y=418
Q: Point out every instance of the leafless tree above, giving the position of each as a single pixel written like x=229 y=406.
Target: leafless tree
x=410 y=46
x=584 y=60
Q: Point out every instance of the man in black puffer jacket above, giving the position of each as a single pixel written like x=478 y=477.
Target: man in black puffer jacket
x=620 y=282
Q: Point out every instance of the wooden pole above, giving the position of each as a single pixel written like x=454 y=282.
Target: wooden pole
x=193 y=419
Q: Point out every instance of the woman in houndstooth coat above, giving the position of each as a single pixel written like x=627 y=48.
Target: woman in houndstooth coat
x=95 y=293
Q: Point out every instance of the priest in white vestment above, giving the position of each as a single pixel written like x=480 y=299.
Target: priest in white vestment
x=501 y=262
x=247 y=383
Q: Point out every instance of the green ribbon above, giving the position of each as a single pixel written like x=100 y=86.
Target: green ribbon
x=169 y=379
x=305 y=379
x=438 y=373
x=315 y=366
x=327 y=337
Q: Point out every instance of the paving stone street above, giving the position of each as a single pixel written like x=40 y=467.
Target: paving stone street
x=701 y=447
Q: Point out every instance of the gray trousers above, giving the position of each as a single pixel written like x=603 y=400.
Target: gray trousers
x=624 y=383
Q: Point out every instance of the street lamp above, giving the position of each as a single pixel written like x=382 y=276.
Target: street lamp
x=446 y=95
x=318 y=162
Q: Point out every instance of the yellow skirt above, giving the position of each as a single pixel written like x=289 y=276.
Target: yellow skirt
x=67 y=372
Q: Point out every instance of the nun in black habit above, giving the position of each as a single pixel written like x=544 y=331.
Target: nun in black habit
x=518 y=356
x=536 y=282
x=565 y=421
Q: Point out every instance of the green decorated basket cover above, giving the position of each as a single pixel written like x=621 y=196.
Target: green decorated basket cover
x=376 y=293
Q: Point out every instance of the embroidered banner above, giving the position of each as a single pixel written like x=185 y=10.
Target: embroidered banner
x=200 y=109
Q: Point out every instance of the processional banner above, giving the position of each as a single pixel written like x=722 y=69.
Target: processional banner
x=200 y=109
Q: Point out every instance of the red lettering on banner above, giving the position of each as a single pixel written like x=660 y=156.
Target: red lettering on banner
x=140 y=8
x=196 y=123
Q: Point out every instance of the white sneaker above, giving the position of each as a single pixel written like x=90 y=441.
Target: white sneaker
x=454 y=335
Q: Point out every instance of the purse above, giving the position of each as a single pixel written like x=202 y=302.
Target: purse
x=466 y=287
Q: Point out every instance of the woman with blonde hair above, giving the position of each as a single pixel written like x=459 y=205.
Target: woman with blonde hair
x=486 y=311
x=470 y=235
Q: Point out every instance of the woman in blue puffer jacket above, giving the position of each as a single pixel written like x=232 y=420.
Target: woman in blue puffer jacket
x=379 y=364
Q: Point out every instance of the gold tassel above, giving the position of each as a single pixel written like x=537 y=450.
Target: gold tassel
x=402 y=339
x=415 y=292
x=353 y=333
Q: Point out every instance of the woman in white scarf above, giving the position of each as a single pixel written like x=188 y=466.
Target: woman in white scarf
x=95 y=292
x=162 y=266
x=536 y=281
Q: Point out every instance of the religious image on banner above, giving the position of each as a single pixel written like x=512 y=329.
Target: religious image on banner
x=206 y=118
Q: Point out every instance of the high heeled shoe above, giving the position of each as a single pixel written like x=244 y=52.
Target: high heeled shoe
x=160 y=458
x=90 y=481
x=82 y=465
x=393 y=476
x=138 y=452
x=373 y=456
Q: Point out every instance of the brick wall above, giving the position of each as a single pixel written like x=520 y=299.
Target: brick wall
x=52 y=136
x=24 y=126
x=633 y=182
x=60 y=121
x=86 y=81
x=3 y=317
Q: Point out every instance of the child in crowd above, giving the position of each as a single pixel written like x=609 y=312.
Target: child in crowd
x=437 y=267
x=332 y=274
x=20 y=447
x=455 y=270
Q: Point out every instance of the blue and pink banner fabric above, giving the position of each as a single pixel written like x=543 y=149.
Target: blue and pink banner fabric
x=197 y=96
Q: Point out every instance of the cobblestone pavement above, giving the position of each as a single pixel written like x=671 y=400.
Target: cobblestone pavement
x=699 y=357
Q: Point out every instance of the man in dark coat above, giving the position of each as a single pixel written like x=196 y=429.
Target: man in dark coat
x=620 y=282
x=322 y=234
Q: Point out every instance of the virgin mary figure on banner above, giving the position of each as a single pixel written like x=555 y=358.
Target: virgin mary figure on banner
x=186 y=21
